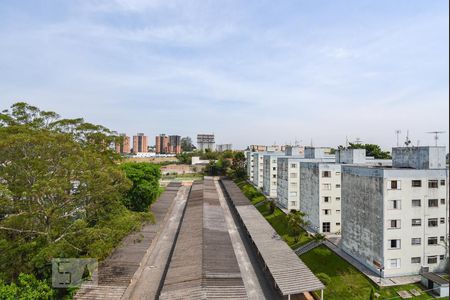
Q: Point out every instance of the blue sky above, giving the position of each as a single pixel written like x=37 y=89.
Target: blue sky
x=252 y=72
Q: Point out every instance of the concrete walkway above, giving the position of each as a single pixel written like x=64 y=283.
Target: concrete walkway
x=146 y=281
x=255 y=282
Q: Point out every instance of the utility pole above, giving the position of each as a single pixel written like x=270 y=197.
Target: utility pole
x=397 y=132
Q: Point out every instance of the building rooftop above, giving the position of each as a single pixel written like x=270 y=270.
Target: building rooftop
x=289 y=273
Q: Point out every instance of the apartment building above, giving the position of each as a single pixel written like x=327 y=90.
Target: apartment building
x=396 y=218
x=288 y=175
x=320 y=187
x=320 y=194
x=140 y=143
x=258 y=168
x=249 y=164
x=205 y=142
x=174 y=144
x=123 y=146
x=161 y=144
x=270 y=165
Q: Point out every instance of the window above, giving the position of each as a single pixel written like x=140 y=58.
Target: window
x=432 y=184
x=441 y=257
x=293 y=175
x=326 y=227
x=394 y=204
x=338 y=224
x=416 y=183
x=442 y=221
x=394 y=244
x=338 y=186
x=394 y=224
x=394 y=185
x=443 y=182
x=338 y=211
x=327 y=186
x=293 y=166
x=432 y=222
x=432 y=240
x=293 y=184
x=416 y=222
x=416 y=241
x=326 y=174
x=442 y=201
x=432 y=202
x=327 y=211
x=326 y=199
x=338 y=198
x=338 y=173
x=274 y=175
x=416 y=203
x=274 y=168
x=393 y=263
x=432 y=259
x=415 y=260
x=293 y=194
x=442 y=238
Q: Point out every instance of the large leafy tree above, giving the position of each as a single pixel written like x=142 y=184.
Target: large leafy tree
x=186 y=144
x=58 y=180
x=145 y=178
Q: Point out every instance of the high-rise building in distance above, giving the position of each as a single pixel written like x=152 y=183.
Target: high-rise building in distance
x=205 y=141
x=168 y=144
x=140 y=143
x=123 y=146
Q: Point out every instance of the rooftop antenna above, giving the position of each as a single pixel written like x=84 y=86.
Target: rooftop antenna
x=346 y=141
x=397 y=132
x=418 y=143
x=358 y=141
x=407 y=140
x=436 y=136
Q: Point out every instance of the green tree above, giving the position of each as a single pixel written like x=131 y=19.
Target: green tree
x=237 y=169
x=145 y=178
x=27 y=287
x=372 y=150
x=296 y=220
x=186 y=144
x=272 y=206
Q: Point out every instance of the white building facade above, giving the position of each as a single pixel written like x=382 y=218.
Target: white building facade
x=270 y=166
x=397 y=218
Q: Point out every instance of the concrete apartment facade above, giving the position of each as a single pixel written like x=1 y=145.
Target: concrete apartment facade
x=258 y=168
x=270 y=166
x=140 y=143
x=288 y=175
x=123 y=146
x=396 y=218
x=249 y=164
x=205 y=141
x=168 y=144
x=320 y=196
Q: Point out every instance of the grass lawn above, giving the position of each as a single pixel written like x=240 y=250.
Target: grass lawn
x=278 y=220
x=346 y=282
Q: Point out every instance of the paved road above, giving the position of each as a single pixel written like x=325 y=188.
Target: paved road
x=147 y=278
x=256 y=284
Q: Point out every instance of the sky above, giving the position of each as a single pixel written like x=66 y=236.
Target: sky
x=251 y=72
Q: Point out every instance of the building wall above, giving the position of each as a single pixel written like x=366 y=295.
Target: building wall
x=258 y=169
x=249 y=164
x=270 y=175
x=314 y=187
x=406 y=193
x=367 y=215
x=419 y=157
x=124 y=146
x=205 y=141
x=140 y=143
x=288 y=173
x=362 y=214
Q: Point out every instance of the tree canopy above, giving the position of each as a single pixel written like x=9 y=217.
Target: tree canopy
x=61 y=191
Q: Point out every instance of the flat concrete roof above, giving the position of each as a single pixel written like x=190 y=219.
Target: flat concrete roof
x=289 y=273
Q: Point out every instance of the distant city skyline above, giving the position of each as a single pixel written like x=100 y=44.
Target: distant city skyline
x=250 y=72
